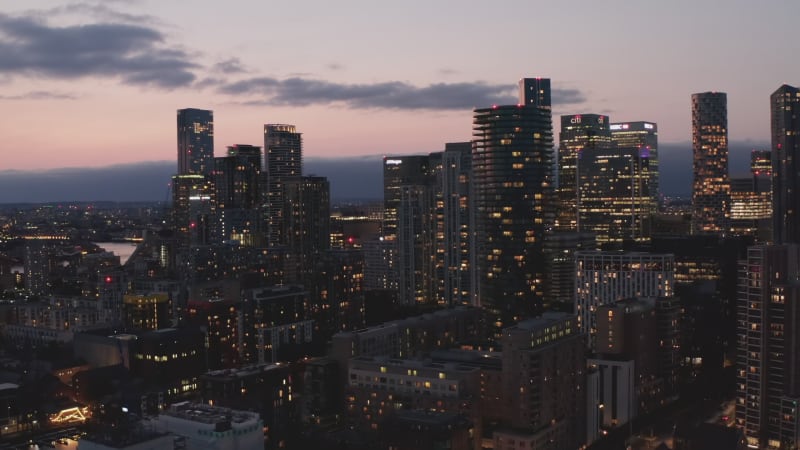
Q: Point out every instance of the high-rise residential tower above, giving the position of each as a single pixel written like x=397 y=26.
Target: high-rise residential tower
x=785 y=114
x=768 y=347
x=454 y=249
x=512 y=154
x=283 y=159
x=399 y=171
x=710 y=188
x=306 y=225
x=583 y=133
x=193 y=198
x=237 y=180
x=427 y=224
x=195 y=142
x=640 y=135
x=193 y=209
x=407 y=226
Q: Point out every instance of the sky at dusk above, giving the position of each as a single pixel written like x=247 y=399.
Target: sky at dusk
x=89 y=84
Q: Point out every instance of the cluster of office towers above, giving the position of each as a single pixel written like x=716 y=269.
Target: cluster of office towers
x=494 y=223
x=254 y=199
x=485 y=222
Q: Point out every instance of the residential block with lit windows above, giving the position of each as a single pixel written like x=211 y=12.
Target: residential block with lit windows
x=377 y=387
x=605 y=277
x=767 y=362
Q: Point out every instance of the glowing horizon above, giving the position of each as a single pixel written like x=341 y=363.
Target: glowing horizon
x=90 y=84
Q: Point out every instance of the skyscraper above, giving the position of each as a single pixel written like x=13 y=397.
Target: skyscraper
x=751 y=199
x=427 y=220
x=399 y=171
x=640 y=135
x=237 y=180
x=414 y=244
x=283 y=159
x=512 y=185
x=614 y=199
x=535 y=92
x=710 y=188
x=768 y=347
x=455 y=246
x=785 y=115
x=751 y=209
x=407 y=226
x=195 y=142
x=193 y=195
x=579 y=133
x=193 y=209
x=761 y=165
x=306 y=225
x=427 y=223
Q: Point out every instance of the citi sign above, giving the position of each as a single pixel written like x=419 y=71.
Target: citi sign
x=575 y=120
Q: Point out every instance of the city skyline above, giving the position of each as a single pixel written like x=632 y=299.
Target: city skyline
x=352 y=178
x=129 y=72
x=459 y=312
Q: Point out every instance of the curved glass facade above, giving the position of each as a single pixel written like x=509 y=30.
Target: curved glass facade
x=512 y=156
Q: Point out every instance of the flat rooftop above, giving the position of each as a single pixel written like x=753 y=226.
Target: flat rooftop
x=202 y=413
